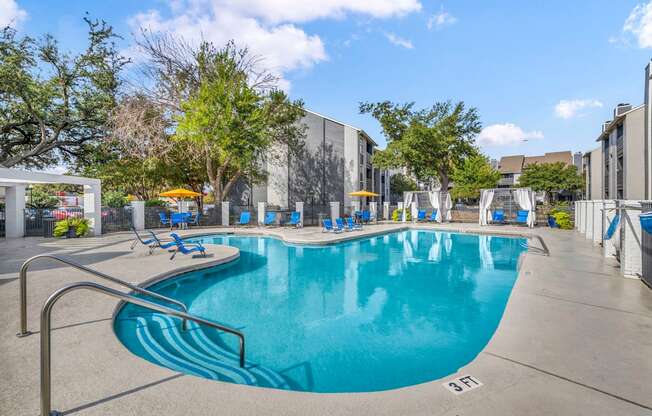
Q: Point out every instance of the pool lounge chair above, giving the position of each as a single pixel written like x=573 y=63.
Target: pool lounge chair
x=270 y=218
x=162 y=244
x=150 y=243
x=498 y=216
x=186 y=248
x=295 y=219
x=245 y=217
x=421 y=215
x=351 y=225
x=366 y=216
x=327 y=225
x=433 y=216
x=164 y=218
x=339 y=223
x=194 y=220
x=521 y=216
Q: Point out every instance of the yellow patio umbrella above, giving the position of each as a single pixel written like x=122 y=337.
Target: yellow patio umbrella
x=180 y=194
x=363 y=193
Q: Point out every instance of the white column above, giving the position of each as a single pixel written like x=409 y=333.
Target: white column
x=386 y=213
x=261 y=213
x=598 y=229
x=335 y=210
x=588 y=232
x=373 y=209
x=299 y=209
x=414 y=211
x=576 y=219
x=400 y=207
x=15 y=211
x=225 y=213
x=631 y=257
x=93 y=207
x=138 y=214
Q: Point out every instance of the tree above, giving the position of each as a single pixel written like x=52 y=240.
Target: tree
x=551 y=178
x=473 y=174
x=39 y=198
x=400 y=183
x=54 y=105
x=428 y=142
x=234 y=123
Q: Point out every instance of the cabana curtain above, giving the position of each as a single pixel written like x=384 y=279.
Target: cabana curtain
x=406 y=205
x=434 y=201
x=524 y=200
x=486 y=197
x=448 y=204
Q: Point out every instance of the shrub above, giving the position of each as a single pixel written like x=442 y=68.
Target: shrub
x=398 y=213
x=41 y=199
x=155 y=203
x=115 y=199
x=80 y=225
x=562 y=218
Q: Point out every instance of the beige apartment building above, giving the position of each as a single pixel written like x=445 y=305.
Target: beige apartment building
x=511 y=167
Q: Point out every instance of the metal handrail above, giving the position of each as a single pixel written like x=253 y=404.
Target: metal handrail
x=23 y=288
x=543 y=243
x=46 y=312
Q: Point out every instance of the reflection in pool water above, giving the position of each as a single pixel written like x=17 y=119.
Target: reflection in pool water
x=366 y=315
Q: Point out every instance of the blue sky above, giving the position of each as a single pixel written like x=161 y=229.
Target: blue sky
x=545 y=72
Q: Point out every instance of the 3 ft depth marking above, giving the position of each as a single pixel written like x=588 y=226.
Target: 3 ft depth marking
x=462 y=384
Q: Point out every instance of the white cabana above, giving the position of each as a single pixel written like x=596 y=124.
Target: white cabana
x=441 y=201
x=521 y=198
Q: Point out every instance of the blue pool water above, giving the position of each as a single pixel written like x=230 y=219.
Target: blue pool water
x=367 y=315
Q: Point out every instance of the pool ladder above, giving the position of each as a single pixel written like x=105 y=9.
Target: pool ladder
x=46 y=312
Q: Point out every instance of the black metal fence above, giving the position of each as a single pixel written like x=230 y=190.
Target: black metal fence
x=2 y=221
x=41 y=222
x=117 y=219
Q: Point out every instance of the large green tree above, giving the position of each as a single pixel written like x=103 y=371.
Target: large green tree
x=472 y=175
x=54 y=105
x=428 y=142
x=551 y=178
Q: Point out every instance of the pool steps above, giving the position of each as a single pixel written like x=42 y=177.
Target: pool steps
x=194 y=352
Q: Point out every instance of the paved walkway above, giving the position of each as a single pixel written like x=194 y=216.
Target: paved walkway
x=576 y=338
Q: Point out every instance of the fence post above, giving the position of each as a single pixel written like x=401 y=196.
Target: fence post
x=225 y=213
x=299 y=209
x=261 y=213
x=608 y=246
x=15 y=211
x=373 y=210
x=386 y=211
x=598 y=229
x=138 y=214
x=631 y=256
x=93 y=207
x=335 y=210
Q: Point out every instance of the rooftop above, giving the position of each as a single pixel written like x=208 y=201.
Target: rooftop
x=516 y=163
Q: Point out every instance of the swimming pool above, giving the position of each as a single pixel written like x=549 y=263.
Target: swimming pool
x=366 y=315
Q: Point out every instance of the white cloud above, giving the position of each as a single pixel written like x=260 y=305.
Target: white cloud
x=398 y=41
x=11 y=14
x=570 y=108
x=639 y=24
x=506 y=134
x=441 y=19
x=267 y=27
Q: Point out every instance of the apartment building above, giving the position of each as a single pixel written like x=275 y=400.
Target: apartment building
x=511 y=167
x=592 y=171
x=622 y=143
x=335 y=161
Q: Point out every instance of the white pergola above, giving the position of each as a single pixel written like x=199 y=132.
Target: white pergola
x=15 y=181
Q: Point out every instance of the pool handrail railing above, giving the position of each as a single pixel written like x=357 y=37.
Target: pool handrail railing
x=23 y=287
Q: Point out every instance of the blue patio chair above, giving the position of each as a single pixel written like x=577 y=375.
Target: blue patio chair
x=164 y=218
x=366 y=216
x=351 y=225
x=186 y=248
x=327 y=225
x=498 y=216
x=162 y=244
x=150 y=243
x=552 y=223
x=433 y=216
x=521 y=216
x=612 y=227
x=295 y=219
x=339 y=223
x=421 y=215
x=270 y=218
x=245 y=217
x=194 y=220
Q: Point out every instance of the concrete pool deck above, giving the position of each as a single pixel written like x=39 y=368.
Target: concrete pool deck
x=576 y=338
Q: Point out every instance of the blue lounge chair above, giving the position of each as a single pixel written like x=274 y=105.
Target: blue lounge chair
x=366 y=216
x=521 y=216
x=245 y=217
x=186 y=248
x=339 y=223
x=612 y=227
x=164 y=218
x=194 y=220
x=433 y=216
x=421 y=215
x=352 y=225
x=328 y=227
x=295 y=219
x=162 y=244
x=270 y=218
x=498 y=216
x=150 y=242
